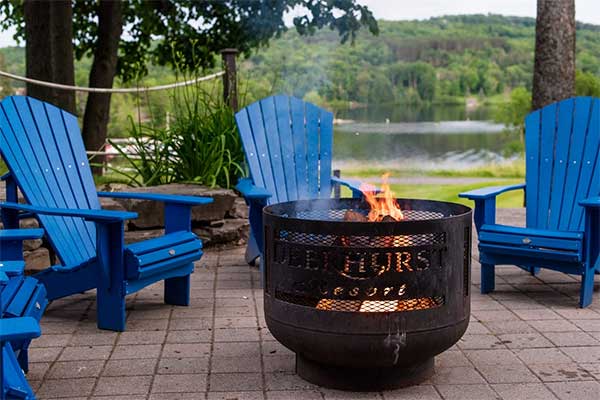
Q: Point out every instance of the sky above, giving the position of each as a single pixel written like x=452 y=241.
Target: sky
x=585 y=10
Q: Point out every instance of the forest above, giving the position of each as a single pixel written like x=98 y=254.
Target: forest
x=436 y=61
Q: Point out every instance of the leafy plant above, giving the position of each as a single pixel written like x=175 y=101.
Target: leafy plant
x=148 y=155
x=206 y=145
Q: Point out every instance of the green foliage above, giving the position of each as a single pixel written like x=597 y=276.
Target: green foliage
x=587 y=84
x=148 y=156
x=206 y=146
x=439 y=60
x=159 y=32
x=200 y=144
x=512 y=113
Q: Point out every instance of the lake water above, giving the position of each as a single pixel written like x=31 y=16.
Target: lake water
x=398 y=136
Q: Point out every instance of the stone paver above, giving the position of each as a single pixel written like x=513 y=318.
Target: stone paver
x=527 y=340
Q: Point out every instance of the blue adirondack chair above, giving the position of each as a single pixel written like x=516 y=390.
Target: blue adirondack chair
x=22 y=303
x=288 y=146
x=562 y=231
x=44 y=151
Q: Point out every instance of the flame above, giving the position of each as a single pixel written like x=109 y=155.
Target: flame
x=381 y=206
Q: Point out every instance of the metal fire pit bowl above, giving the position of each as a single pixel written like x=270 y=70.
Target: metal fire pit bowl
x=366 y=305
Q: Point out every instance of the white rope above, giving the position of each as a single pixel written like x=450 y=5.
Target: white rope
x=110 y=90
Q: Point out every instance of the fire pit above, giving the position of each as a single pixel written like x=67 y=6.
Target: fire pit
x=366 y=301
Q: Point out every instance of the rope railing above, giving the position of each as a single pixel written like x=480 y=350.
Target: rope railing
x=110 y=90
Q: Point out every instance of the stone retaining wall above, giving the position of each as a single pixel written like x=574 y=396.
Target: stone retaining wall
x=221 y=223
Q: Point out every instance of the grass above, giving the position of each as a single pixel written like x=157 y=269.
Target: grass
x=450 y=193
x=515 y=169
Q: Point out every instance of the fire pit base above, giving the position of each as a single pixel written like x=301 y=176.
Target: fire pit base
x=362 y=379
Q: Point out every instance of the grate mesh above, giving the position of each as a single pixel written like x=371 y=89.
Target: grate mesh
x=373 y=306
x=338 y=214
x=383 y=241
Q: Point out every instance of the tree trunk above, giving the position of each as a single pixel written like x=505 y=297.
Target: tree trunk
x=102 y=74
x=38 y=50
x=554 y=67
x=49 y=50
x=61 y=29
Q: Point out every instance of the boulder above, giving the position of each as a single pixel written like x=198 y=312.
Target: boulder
x=36 y=260
x=231 y=231
x=138 y=236
x=151 y=213
x=239 y=209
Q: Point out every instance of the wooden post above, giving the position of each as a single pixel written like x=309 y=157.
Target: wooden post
x=230 y=94
x=337 y=193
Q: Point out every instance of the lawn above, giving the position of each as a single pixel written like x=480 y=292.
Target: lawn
x=512 y=199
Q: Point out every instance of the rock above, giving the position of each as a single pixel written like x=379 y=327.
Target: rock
x=239 y=209
x=29 y=223
x=111 y=204
x=138 y=236
x=232 y=231
x=30 y=245
x=151 y=213
x=36 y=260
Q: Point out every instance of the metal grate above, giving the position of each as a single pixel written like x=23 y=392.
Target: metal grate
x=372 y=306
x=384 y=241
x=338 y=214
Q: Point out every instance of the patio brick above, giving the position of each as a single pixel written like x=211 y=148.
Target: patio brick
x=85 y=353
x=183 y=365
x=53 y=388
x=123 y=385
x=239 y=381
x=467 y=392
x=421 y=392
x=75 y=369
x=524 y=391
x=144 y=366
x=126 y=352
x=575 y=390
x=179 y=383
x=527 y=340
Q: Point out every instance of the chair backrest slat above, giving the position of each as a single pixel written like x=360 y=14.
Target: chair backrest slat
x=562 y=146
x=284 y=127
x=325 y=151
x=43 y=148
x=274 y=153
x=297 y=138
x=299 y=135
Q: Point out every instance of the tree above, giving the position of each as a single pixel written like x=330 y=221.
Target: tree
x=554 y=64
x=124 y=37
x=49 y=51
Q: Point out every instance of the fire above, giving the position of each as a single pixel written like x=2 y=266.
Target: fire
x=381 y=206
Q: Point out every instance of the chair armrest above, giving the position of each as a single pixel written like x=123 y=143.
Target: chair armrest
x=592 y=202
x=353 y=185
x=19 y=328
x=490 y=192
x=165 y=198
x=90 y=215
x=5 y=176
x=20 y=234
x=251 y=192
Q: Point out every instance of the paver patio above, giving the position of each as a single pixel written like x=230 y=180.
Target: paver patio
x=528 y=340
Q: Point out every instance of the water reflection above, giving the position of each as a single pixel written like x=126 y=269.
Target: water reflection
x=417 y=138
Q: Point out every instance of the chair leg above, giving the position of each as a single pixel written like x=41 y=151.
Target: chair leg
x=587 y=289
x=23 y=360
x=111 y=309
x=487 y=278
x=177 y=291
x=534 y=270
x=252 y=251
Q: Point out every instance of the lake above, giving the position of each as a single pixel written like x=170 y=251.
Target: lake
x=409 y=137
